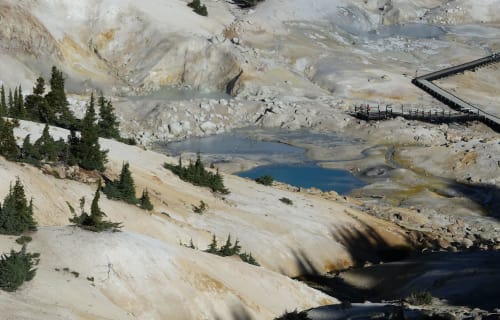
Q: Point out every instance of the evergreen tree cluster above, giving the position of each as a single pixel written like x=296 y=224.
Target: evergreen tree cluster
x=13 y=104
x=108 y=124
x=230 y=249
x=44 y=150
x=53 y=107
x=86 y=150
x=83 y=150
x=16 y=213
x=198 y=175
x=17 y=268
x=95 y=220
x=124 y=189
x=198 y=7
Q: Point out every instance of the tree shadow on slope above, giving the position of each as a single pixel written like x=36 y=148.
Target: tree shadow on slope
x=237 y=312
x=463 y=279
x=365 y=246
x=485 y=195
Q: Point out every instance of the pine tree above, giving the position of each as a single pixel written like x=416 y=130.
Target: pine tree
x=3 y=103
x=198 y=175
x=124 y=188
x=13 y=109
x=194 y=4
x=46 y=146
x=36 y=107
x=89 y=155
x=212 y=247
x=8 y=146
x=17 y=268
x=94 y=222
x=96 y=214
x=126 y=184
x=226 y=251
x=29 y=153
x=108 y=125
x=20 y=104
x=145 y=202
x=16 y=214
x=56 y=98
x=73 y=157
x=39 y=88
x=10 y=103
x=17 y=109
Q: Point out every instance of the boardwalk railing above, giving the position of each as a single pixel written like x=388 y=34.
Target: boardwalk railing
x=410 y=113
x=425 y=83
x=472 y=65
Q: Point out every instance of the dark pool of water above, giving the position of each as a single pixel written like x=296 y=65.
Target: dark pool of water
x=307 y=176
x=234 y=144
x=288 y=164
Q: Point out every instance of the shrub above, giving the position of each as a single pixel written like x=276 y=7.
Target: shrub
x=247 y=3
x=228 y=249
x=122 y=189
x=145 y=202
x=17 y=268
x=420 y=298
x=16 y=213
x=266 y=180
x=94 y=221
x=199 y=8
x=294 y=315
x=286 y=201
x=198 y=175
x=22 y=240
x=201 y=208
x=245 y=257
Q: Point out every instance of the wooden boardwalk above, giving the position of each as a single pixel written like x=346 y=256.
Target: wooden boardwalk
x=468 y=110
x=409 y=113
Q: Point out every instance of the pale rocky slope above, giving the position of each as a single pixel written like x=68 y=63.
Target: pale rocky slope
x=138 y=277
x=151 y=276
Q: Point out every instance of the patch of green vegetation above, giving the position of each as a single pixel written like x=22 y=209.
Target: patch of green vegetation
x=122 y=189
x=22 y=240
x=201 y=208
x=52 y=108
x=190 y=245
x=420 y=298
x=94 y=221
x=266 y=180
x=17 y=268
x=16 y=213
x=198 y=7
x=248 y=258
x=286 y=201
x=145 y=201
x=198 y=175
x=230 y=249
